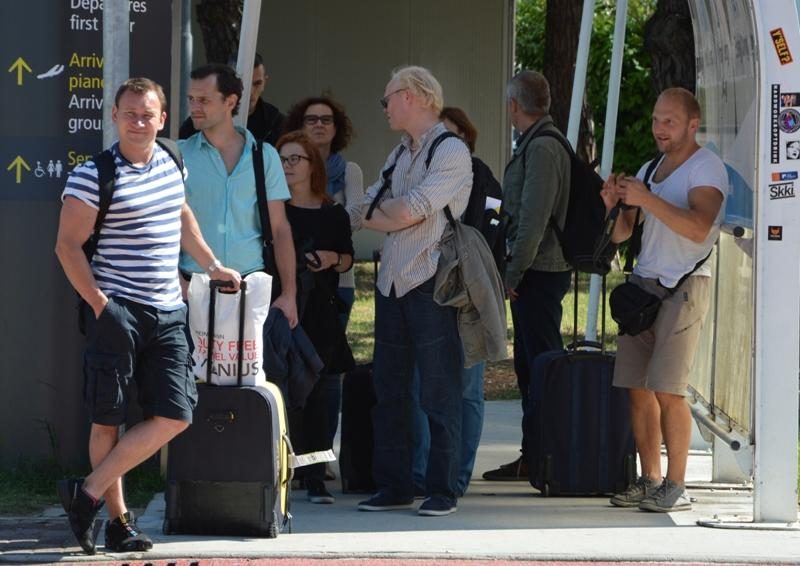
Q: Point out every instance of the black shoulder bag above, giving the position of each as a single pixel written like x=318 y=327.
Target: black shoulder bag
x=632 y=308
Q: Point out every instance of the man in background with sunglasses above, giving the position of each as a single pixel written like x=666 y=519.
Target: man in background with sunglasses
x=264 y=120
x=221 y=186
x=410 y=328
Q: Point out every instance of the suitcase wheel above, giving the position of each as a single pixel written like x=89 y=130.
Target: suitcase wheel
x=546 y=489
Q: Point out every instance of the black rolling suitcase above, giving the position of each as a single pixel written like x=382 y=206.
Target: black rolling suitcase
x=355 y=452
x=580 y=440
x=356 y=448
x=228 y=473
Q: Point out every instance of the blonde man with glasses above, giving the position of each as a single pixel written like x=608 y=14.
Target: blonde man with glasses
x=410 y=328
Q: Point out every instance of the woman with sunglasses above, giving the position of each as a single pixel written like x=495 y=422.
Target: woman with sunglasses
x=327 y=125
x=315 y=217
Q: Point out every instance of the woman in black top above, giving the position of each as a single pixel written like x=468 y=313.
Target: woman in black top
x=325 y=226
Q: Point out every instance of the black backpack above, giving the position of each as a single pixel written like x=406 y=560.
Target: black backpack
x=494 y=225
x=582 y=238
x=106 y=175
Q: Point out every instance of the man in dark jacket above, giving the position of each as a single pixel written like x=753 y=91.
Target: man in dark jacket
x=535 y=189
x=264 y=120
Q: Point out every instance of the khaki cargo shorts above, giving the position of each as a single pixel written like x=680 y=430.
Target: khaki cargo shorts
x=660 y=358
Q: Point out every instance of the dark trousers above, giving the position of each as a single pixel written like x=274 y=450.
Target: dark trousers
x=308 y=429
x=536 y=314
x=414 y=330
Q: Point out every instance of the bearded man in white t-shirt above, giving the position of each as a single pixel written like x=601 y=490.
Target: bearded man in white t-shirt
x=682 y=210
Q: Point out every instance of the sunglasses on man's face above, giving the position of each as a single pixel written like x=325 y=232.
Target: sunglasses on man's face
x=385 y=100
x=311 y=119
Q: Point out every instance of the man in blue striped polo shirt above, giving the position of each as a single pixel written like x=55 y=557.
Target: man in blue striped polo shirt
x=133 y=307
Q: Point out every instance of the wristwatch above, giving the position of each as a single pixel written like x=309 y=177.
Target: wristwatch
x=214 y=266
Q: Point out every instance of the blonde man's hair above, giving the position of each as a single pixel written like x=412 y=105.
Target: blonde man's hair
x=421 y=82
x=685 y=98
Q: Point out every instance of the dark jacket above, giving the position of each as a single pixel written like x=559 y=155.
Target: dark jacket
x=290 y=360
x=265 y=123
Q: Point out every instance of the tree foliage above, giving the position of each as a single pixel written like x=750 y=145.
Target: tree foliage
x=634 y=143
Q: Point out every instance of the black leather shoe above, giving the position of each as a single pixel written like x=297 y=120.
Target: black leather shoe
x=81 y=510
x=513 y=471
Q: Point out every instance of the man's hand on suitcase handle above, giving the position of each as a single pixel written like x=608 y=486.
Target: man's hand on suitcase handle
x=230 y=276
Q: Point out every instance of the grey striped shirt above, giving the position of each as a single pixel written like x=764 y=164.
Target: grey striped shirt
x=409 y=256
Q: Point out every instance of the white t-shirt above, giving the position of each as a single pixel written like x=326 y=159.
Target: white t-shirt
x=665 y=254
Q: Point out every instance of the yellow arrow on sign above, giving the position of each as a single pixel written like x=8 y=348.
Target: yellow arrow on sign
x=19 y=163
x=19 y=66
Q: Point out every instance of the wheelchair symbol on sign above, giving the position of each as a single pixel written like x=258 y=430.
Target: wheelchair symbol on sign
x=39 y=171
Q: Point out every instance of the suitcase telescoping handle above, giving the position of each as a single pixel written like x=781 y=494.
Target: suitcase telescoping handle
x=588 y=343
x=212 y=303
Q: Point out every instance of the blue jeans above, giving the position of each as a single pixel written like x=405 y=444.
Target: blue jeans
x=414 y=331
x=537 y=327
x=471 y=428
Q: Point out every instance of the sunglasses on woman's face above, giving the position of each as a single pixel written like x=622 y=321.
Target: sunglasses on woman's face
x=292 y=159
x=311 y=119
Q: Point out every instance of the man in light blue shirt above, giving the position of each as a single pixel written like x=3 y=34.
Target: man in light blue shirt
x=221 y=189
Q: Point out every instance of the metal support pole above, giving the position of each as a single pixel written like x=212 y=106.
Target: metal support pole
x=609 y=137
x=187 y=43
x=581 y=64
x=116 y=58
x=248 y=39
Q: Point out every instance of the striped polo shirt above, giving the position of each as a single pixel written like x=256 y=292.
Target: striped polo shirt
x=409 y=257
x=137 y=254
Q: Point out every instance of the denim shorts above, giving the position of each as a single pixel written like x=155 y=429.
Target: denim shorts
x=136 y=343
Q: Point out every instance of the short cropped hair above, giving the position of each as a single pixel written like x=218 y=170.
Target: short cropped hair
x=142 y=85
x=685 y=99
x=228 y=82
x=342 y=123
x=319 y=176
x=421 y=82
x=531 y=91
x=463 y=123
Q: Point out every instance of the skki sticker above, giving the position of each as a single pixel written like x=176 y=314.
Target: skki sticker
x=781 y=191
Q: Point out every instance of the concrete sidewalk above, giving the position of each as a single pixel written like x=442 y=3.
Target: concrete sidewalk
x=495 y=520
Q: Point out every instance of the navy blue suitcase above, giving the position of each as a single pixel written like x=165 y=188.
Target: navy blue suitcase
x=580 y=440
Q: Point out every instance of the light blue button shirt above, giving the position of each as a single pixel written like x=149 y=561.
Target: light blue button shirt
x=226 y=206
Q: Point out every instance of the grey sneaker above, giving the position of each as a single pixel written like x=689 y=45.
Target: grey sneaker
x=667 y=498
x=636 y=493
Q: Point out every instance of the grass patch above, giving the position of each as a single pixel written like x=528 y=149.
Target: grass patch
x=29 y=489
x=360 y=330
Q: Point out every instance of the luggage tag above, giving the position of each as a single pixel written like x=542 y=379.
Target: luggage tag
x=301 y=460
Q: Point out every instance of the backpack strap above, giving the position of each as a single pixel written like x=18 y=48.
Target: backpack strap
x=431 y=150
x=439 y=139
x=635 y=243
x=106 y=172
x=261 y=192
x=572 y=156
x=172 y=149
x=387 y=182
